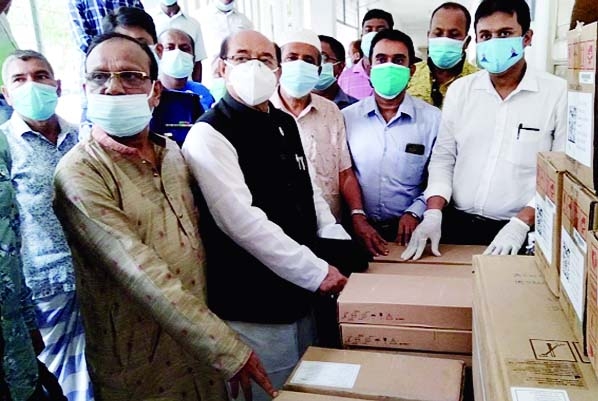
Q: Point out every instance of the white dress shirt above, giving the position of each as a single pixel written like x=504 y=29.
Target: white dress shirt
x=213 y=160
x=485 y=154
x=183 y=23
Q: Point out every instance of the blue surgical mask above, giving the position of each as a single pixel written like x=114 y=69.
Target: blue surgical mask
x=366 y=43
x=298 y=78
x=176 y=63
x=34 y=100
x=499 y=54
x=120 y=116
x=169 y=3
x=445 y=52
x=225 y=8
x=327 y=77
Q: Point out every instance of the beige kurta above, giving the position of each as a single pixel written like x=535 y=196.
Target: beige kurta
x=139 y=262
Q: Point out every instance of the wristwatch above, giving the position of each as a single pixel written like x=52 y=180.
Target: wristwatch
x=415 y=216
x=357 y=211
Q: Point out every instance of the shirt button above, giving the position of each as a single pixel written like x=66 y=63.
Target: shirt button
x=143 y=162
x=155 y=174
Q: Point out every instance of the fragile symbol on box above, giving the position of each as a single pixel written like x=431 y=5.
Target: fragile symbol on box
x=553 y=350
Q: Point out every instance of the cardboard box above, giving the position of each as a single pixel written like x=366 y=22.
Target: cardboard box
x=406 y=338
x=451 y=255
x=293 y=396
x=421 y=269
x=401 y=300
x=524 y=348
x=581 y=79
x=592 y=301
x=439 y=355
x=377 y=376
x=579 y=216
x=549 y=196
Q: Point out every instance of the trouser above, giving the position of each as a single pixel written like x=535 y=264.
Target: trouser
x=460 y=228
x=388 y=229
x=278 y=346
x=348 y=257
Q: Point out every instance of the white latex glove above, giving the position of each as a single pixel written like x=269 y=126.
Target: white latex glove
x=509 y=240
x=429 y=228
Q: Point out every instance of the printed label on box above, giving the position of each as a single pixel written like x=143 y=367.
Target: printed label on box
x=545 y=216
x=579 y=127
x=551 y=374
x=586 y=78
x=538 y=394
x=572 y=272
x=328 y=374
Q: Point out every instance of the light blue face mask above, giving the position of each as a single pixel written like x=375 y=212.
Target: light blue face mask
x=366 y=43
x=169 y=3
x=225 y=8
x=176 y=63
x=34 y=100
x=499 y=54
x=120 y=116
x=298 y=78
x=327 y=77
x=445 y=52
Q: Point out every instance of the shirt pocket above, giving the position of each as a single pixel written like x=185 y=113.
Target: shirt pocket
x=526 y=141
x=410 y=169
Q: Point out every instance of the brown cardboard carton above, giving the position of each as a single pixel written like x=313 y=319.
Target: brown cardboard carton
x=524 y=348
x=579 y=215
x=440 y=355
x=451 y=254
x=421 y=269
x=377 y=376
x=403 y=300
x=406 y=338
x=592 y=301
x=293 y=396
x=581 y=79
x=549 y=195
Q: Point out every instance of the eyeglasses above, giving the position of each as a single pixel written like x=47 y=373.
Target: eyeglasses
x=327 y=59
x=128 y=79
x=241 y=58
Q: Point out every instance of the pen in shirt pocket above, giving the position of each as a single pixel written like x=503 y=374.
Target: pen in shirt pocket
x=522 y=128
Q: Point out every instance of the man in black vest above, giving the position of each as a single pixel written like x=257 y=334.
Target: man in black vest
x=264 y=219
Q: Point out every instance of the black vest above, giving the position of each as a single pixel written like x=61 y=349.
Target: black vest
x=274 y=166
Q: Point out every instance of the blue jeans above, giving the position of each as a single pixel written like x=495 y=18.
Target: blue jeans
x=5 y=110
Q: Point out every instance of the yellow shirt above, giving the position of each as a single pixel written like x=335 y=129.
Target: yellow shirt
x=139 y=263
x=421 y=82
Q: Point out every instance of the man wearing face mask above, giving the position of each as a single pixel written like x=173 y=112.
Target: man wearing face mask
x=170 y=16
x=447 y=41
x=333 y=64
x=494 y=123
x=391 y=135
x=125 y=199
x=177 y=64
x=355 y=81
x=263 y=211
x=38 y=139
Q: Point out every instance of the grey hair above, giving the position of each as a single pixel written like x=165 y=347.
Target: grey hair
x=24 y=55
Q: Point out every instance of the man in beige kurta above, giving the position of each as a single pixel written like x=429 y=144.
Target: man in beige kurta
x=126 y=203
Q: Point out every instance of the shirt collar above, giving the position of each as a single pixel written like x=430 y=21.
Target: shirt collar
x=528 y=83
x=20 y=127
x=108 y=142
x=314 y=104
x=359 y=68
x=407 y=107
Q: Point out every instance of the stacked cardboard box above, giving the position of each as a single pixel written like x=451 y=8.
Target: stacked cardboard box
x=592 y=301
x=524 y=348
x=376 y=376
x=450 y=255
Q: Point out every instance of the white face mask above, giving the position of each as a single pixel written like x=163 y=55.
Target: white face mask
x=253 y=81
x=122 y=115
x=176 y=63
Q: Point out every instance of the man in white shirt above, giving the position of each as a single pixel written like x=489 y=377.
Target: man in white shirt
x=219 y=20
x=263 y=212
x=170 y=16
x=494 y=123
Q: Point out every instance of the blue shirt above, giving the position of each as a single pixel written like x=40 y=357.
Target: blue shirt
x=17 y=315
x=87 y=15
x=391 y=159
x=343 y=100
x=206 y=98
x=46 y=255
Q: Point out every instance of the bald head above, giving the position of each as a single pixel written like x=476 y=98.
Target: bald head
x=247 y=42
x=172 y=39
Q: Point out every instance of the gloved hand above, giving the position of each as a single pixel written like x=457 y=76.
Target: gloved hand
x=430 y=227
x=509 y=240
